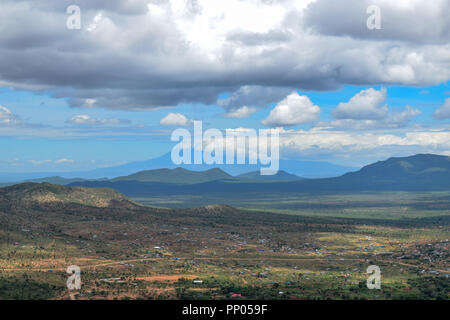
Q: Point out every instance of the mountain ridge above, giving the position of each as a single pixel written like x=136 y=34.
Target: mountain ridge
x=177 y=176
x=305 y=169
x=414 y=173
x=279 y=176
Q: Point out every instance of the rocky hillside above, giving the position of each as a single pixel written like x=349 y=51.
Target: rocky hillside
x=46 y=194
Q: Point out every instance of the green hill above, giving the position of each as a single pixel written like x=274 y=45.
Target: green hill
x=421 y=168
x=280 y=176
x=46 y=194
x=177 y=176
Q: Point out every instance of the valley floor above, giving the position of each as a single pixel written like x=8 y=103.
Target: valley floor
x=293 y=246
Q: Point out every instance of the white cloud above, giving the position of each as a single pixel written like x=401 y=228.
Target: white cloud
x=334 y=142
x=7 y=117
x=365 y=105
x=243 y=112
x=400 y=119
x=342 y=144
x=64 y=161
x=95 y=22
x=39 y=162
x=83 y=119
x=46 y=162
x=175 y=119
x=293 y=110
x=443 y=112
x=392 y=120
x=365 y=110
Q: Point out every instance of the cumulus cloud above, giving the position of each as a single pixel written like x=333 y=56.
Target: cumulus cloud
x=293 y=110
x=366 y=110
x=239 y=113
x=443 y=112
x=392 y=120
x=175 y=119
x=365 y=105
x=153 y=54
x=400 y=20
x=84 y=119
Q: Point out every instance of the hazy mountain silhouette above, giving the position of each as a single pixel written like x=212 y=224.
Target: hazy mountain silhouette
x=423 y=172
x=279 y=176
x=178 y=175
x=306 y=169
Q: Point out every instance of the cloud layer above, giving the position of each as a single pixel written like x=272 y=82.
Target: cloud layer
x=84 y=119
x=151 y=54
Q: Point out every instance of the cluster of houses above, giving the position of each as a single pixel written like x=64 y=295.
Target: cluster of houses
x=431 y=252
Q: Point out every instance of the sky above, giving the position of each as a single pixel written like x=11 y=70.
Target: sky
x=112 y=91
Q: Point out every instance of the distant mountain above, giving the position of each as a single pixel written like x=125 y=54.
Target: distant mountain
x=421 y=165
x=34 y=195
x=177 y=176
x=11 y=178
x=415 y=173
x=306 y=169
x=55 y=180
x=280 y=176
x=422 y=172
x=419 y=171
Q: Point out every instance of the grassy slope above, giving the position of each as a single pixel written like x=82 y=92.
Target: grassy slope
x=178 y=176
x=43 y=193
